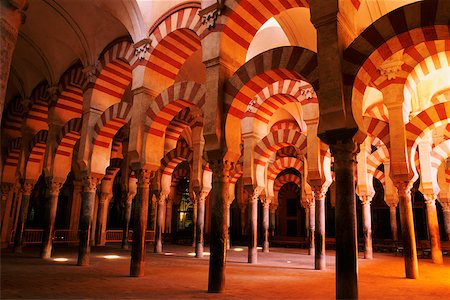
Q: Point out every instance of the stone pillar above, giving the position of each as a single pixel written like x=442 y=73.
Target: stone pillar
x=266 y=203
x=393 y=219
x=132 y=191
x=253 y=232
x=6 y=187
x=433 y=228
x=194 y=198
x=153 y=211
x=228 y=224
x=273 y=209
x=102 y=218
x=168 y=219
x=54 y=186
x=13 y=14
x=27 y=187
x=446 y=210
x=344 y=153
x=219 y=198
x=200 y=223
x=90 y=183
x=242 y=208
x=367 y=226
x=160 y=221
x=312 y=226
x=320 y=262
x=76 y=205
x=137 y=266
x=5 y=223
x=408 y=234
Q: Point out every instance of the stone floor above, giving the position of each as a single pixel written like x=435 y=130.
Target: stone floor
x=284 y=273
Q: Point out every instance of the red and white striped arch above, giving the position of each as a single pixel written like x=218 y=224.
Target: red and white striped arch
x=377 y=129
x=434 y=116
x=111 y=173
x=69 y=104
x=376 y=158
x=285 y=63
x=35 y=160
x=109 y=123
x=380 y=176
x=286 y=151
x=114 y=73
x=439 y=154
x=12 y=119
x=66 y=140
x=37 y=116
x=441 y=97
x=284 y=163
x=244 y=18
x=170 y=161
x=165 y=107
x=276 y=140
x=378 y=111
x=12 y=161
x=173 y=41
x=181 y=123
x=282 y=181
x=178 y=174
x=236 y=173
x=388 y=35
x=285 y=124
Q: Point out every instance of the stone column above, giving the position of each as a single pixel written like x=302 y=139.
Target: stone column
x=153 y=211
x=13 y=14
x=266 y=203
x=90 y=183
x=408 y=234
x=242 y=208
x=27 y=187
x=219 y=198
x=102 y=218
x=137 y=266
x=6 y=187
x=168 y=219
x=320 y=262
x=7 y=192
x=200 y=223
x=160 y=221
x=76 y=205
x=312 y=226
x=132 y=191
x=273 y=209
x=433 y=228
x=367 y=226
x=194 y=198
x=344 y=153
x=253 y=232
x=54 y=186
x=446 y=210
x=393 y=220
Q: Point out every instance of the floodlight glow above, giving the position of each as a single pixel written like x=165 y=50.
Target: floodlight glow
x=238 y=249
x=191 y=254
x=168 y=253
x=112 y=256
x=60 y=259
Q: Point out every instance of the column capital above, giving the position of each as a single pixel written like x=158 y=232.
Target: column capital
x=256 y=193
x=265 y=200
x=162 y=197
x=403 y=186
x=445 y=206
x=144 y=177
x=344 y=150
x=90 y=182
x=142 y=48
x=202 y=196
x=54 y=185
x=210 y=14
x=430 y=199
x=365 y=199
x=27 y=187
x=319 y=192
x=91 y=73
x=221 y=169
x=6 y=187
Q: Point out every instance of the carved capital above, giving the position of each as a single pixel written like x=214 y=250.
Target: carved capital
x=390 y=68
x=91 y=73
x=365 y=199
x=162 y=198
x=403 y=187
x=319 y=192
x=144 y=177
x=445 y=206
x=27 y=187
x=202 y=196
x=141 y=48
x=430 y=199
x=90 y=183
x=344 y=151
x=256 y=193
x=53 y=92
x=221 y=170
x=273 y=207
x=54 y=186
x=210 y=14
x=266 y=201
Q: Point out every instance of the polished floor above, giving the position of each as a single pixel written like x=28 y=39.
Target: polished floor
x=284 y=273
